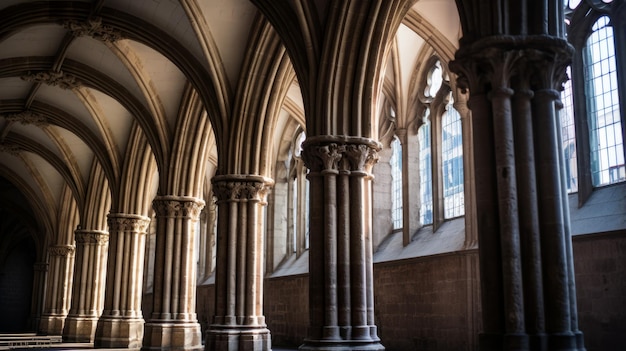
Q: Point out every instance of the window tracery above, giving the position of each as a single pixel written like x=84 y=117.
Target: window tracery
x=594 y=155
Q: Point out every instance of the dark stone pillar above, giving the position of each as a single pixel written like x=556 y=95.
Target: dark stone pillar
x=524 y=240
x=340 y=261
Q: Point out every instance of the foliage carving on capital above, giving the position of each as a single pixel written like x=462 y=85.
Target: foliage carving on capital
x=177 y=208
x=126 y=224
x=323 y=157
x=10 y=149
x=237 y=190
x=53 y=78
x=91 y=237
x=27 y=117
x=61 y=250
x=94 y=28
x=360 y=156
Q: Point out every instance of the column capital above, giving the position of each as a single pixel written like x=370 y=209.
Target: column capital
x=494 y=60
x=61 y=250
x=83 y=236
x=178 y=206
x=122 y=222
x=328 y=154
x=241 y=187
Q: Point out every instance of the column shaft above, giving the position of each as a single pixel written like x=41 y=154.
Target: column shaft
x=239 y=323
x=88 y=288
x=173 y=324
x=340 y=275
x=121 y=324
x=58 y=289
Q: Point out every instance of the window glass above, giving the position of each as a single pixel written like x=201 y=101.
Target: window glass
x=452 y=163
x=396 y=183
x=425 y=163
x=607 y=157
x=568 y=136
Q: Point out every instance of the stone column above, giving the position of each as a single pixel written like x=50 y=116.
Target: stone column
x=58 y=289
x=88 y=288
x=39 y=285
x=121 y=323
x=174 y=324
x=340 y=259
x=525 y=250
x=239 y=323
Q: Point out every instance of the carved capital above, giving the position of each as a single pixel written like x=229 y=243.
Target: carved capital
x=61 y=250
x=91 y=237
x=237 y=188
x=490 y=63
x=345 y=154
x=27 y=117
x=178 y=206
x=10 y=149
x=93 y=28
x=53 y=78
x=119 y=222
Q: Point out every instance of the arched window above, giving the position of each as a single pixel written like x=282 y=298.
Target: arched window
x=591 y=104
x=425 y=170
x=396 y=183
x=452 y=162
x=605 y=131
x=299 y=191
x=568 y=136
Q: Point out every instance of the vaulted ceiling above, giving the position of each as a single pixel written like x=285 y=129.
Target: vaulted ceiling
x=77 y=77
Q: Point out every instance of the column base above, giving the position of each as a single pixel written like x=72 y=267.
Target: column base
x=238 y=338
x=119 y=332
x=539 y=342
x=80 y=328
x=352 y=345
x=51 y=324
x=172 y=335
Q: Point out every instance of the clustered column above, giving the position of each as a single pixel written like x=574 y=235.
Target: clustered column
x=88 y=287
x=121 y=324
x=239 y=323
x=341 y=298
x=528 y=293
x=174 y=324
x=58 y=289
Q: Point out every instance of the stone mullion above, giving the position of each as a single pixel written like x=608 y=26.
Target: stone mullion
x=239 y=322
x=528 y=211
x=58 y=291
x=91 y=251
x=121 y=323
x=174 y=323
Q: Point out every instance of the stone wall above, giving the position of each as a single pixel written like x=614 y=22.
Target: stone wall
x=600 y=265
x=433 y=302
